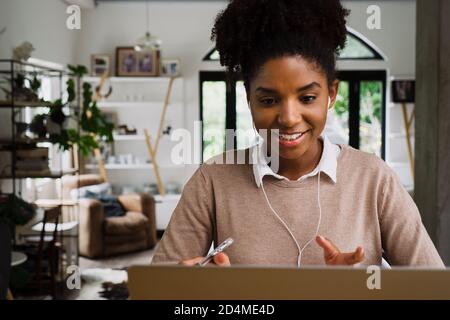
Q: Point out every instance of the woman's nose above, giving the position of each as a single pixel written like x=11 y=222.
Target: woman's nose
x=289 y=114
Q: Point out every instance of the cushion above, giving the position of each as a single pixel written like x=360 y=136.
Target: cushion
x=102 y=188
x=131 y=222
x=111 y=206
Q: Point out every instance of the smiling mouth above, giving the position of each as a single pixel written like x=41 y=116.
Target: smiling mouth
x=290 y=136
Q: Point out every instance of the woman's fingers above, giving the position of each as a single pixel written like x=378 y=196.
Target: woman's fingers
x=329 y=249
x=354 y=257
x=222 y=260
x=191 y=262
x=333 y=256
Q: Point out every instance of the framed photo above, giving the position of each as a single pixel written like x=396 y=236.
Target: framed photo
x=131 y=63
x=170 y=67
x=403 y=91
x=100 y=63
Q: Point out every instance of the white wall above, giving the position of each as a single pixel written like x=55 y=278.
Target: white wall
x=397 y=40
x=43 y=23
x=397 y=37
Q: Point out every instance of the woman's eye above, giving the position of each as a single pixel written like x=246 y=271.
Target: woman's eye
x=268 y=101
x=308 y=99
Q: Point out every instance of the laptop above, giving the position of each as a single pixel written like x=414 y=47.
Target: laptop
x=174 y=282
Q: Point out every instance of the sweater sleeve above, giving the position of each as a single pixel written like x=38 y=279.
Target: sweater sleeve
x=404 y=237
x=190 y=230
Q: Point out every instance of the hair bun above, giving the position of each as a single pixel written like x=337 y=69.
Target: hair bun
x=251 y=30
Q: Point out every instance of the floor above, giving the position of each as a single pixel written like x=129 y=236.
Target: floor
x=118 y=262
x=94 y=273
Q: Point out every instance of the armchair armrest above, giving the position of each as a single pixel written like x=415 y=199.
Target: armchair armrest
x=91 y=218
x=145 y=203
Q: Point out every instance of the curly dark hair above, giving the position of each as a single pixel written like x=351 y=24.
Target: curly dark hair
x=250 y=32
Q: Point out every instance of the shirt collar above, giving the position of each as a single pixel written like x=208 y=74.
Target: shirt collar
x=327 y=163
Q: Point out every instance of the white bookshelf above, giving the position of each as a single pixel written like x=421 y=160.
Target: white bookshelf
x=138 y=103
x=129 y=137
x=132 y=79
x=134 y=104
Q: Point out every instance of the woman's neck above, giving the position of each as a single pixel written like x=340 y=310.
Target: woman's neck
x=293 y=169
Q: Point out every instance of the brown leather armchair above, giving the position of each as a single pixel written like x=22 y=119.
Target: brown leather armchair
x=103 y=236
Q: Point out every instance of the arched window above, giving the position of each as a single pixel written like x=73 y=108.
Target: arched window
x=357 y=47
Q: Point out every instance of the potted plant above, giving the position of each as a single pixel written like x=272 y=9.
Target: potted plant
x=25 y=88
x=89 y=125
x=13 y=211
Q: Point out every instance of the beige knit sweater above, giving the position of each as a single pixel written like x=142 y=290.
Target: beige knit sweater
x=367 y=206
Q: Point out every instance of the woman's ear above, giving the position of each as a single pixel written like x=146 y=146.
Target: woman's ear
x=333 y=91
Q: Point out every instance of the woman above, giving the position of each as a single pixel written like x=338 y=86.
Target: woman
x=327 y=204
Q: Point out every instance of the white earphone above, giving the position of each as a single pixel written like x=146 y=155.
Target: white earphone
x=300 y=249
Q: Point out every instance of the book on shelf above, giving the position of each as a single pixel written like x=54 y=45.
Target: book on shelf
x=42 y=172
x=32 y=164
x=34 y=153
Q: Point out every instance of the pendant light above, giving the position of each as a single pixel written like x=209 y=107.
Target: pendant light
x=147 y=42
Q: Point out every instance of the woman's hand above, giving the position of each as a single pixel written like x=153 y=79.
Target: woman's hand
x=220 y=260
x=333 y=256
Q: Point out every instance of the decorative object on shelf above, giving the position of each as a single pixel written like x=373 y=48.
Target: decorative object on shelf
x=32 y=160
x=170 y=67
x=403 y=91
x=38 y=126
x=22 y=129
x=99 y=89
x=151 y=188
x=110 y=117
x=167 y=130
x=25 y=88
x=125 y=130
x=100 y=64
x=138 y=64
x=23 y=52
x=172 y=187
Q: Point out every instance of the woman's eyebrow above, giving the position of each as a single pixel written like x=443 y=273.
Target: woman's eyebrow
x=306 y=87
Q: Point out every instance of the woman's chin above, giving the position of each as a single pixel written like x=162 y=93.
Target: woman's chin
x=291 y=153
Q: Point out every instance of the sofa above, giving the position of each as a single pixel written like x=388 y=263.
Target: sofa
x=101 y=236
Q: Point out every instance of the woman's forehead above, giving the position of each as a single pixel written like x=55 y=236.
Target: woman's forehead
x=288 y=71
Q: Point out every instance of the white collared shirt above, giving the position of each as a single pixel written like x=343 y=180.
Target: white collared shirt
x=327 y=164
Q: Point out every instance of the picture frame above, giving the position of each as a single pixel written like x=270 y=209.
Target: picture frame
x=403 y=91
x=131 y=63
x=100 y=63
x=170 y=67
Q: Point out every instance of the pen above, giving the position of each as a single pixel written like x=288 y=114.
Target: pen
x=216 y=251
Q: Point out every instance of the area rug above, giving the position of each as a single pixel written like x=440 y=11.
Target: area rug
x=103 y=284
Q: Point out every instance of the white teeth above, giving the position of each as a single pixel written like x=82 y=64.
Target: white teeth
x=290 y=136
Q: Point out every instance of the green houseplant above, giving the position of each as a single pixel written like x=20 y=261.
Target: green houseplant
x=89 y=124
